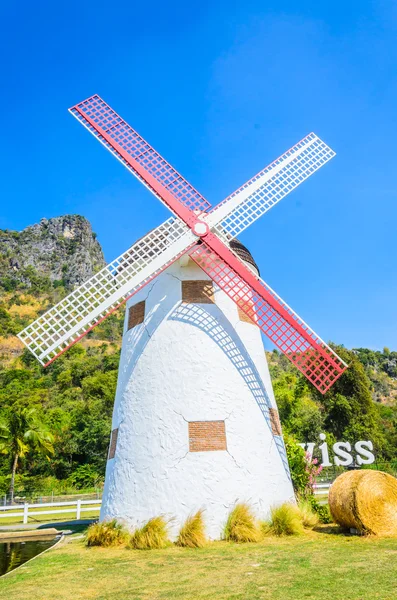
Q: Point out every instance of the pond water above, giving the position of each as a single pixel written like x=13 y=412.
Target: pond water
x=13 y=554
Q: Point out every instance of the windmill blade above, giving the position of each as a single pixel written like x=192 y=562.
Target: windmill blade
x=133 y=151
x=288 y=332
x=268 y=187
x=72 y=318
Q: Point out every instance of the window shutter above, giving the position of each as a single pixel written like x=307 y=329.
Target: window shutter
x=113 y=444
x=206 y=436
x=275 y=421
x=197 y=292
x=244 y=317
x=136 y=314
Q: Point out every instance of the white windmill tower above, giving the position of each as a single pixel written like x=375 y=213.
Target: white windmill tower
x=195 y=423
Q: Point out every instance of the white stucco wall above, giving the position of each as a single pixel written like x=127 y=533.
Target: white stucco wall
x=192 y=362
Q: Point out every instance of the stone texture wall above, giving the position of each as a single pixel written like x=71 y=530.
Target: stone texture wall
x=193 y=362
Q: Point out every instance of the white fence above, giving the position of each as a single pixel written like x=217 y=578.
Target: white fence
x=77 y=507
x=39 y=498
x=320 y=489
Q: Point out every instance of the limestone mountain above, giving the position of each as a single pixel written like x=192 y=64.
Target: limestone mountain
x=38 y=267
x=62 y=251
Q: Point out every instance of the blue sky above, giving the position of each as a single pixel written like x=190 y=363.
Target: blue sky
x=220 y=89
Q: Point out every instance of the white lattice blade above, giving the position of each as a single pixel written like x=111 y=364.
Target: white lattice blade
x=268 y=187
x=76 y=314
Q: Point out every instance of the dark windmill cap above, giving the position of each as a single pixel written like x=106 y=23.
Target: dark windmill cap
x=243 y=252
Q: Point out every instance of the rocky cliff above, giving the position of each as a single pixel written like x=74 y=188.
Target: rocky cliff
x=59 y=251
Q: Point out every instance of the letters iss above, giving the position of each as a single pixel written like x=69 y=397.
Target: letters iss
x=342 y=452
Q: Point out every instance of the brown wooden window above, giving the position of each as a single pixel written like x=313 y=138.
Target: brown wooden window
x=136 y=314
x=206 y=436
x=113 y=443
x=244 y=317
x=275 y=421
x=198 y=292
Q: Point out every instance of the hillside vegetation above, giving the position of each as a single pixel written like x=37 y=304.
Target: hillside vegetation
x=73 y=398
x=355 y=408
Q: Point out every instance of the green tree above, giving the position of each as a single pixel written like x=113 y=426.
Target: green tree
x=300 y=415
x=21 y=432
x=350 y=412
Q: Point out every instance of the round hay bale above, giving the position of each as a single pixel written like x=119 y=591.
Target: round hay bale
x=365 y=500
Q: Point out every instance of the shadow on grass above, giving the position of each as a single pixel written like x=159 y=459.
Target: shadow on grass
x=75 y=527
x=331 y=529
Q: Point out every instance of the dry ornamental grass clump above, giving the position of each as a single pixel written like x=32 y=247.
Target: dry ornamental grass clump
x=309 y=518
x=106 y=534
x=286 y=519
x=365 y=500
x=241 y=525
x=192 y=533
x=153 y=535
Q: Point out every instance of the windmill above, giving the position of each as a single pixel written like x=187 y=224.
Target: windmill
x=195 y=423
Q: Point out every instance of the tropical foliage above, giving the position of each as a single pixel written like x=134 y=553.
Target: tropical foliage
x=21 y=432
x=62 y=413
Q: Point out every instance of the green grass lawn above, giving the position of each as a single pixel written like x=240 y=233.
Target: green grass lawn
x=318 y=565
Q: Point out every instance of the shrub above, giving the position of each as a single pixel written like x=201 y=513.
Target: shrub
x=192 y=533
x=85 y=476
x=241 y=525
x=286 y=520
x=45 y=486
x=297 y=464
x=322 y=510
x=106 y=534
x=154 y=534
x=309 y=517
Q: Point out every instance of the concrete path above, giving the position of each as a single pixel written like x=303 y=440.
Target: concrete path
x=57 y=524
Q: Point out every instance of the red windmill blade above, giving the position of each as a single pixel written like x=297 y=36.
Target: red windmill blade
x=67 y=322
x=304 y=348
x=123 y=141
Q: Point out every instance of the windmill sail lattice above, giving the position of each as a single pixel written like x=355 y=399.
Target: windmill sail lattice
x=73 y=317
x=288 y=332
x=67 y=322
x=268 y=187
x=105 y=124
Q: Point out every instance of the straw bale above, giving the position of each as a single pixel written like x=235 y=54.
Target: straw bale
x=365 y=500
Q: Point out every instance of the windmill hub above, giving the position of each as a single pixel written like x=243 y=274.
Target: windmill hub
x=200 y=228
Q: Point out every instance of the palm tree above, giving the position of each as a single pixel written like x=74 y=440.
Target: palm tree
x=21 y=432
